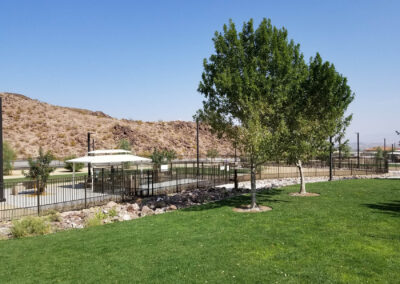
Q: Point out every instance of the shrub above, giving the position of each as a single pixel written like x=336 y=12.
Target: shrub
x=69 y=166
x=124 y=144
x=96 y=220
x=8 y=158
x=112 y=212
x=212 y=153
x=53 y=216
x=164 y=156
x=30 y=226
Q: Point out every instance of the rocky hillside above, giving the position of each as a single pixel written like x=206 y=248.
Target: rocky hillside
x=29 y=124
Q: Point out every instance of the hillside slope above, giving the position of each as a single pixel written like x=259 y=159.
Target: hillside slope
x=29 y=124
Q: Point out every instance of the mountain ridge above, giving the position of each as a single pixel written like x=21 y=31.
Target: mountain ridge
x=29 y=124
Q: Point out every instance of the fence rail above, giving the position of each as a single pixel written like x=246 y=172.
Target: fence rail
x=22 y=197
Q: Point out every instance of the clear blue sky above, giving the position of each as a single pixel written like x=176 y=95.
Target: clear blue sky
x=143 y=59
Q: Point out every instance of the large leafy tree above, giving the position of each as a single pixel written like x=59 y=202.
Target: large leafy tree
x=247 y=83
x=315 y=113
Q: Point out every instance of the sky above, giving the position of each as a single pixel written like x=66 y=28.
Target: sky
x=142 y=60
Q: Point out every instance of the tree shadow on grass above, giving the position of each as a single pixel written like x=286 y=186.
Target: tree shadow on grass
x=392 y=208
x=264 y=197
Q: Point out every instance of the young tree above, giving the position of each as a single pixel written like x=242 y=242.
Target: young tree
x=124 y=144
x=39 y=169
x=160 y=157
x=9 y=157
x=212 y=153
x=69 y=166
x=246 y=83
x=315 y=113
x=379 y=154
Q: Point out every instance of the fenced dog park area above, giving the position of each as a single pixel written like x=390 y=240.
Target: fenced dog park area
x=67 y=193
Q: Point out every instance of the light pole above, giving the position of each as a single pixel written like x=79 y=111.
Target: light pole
x=88 y=149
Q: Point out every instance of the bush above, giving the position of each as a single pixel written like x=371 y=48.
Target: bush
x=30 y=226
x=69 y=166
x=8 y=158
x=212 y=153
x=96 y=220
x=112 y=212
x=53 y=216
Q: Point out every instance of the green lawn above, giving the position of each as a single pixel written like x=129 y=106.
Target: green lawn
x=21 y=179
x=351 y=233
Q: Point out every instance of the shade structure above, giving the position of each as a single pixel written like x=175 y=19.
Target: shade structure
x=112 y=151
x=109 y=159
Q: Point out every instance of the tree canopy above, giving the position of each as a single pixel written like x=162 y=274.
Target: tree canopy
x=260 y=93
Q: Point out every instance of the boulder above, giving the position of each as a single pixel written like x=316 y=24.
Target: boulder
x=146 y=211
x=160 y=204
x=126 y=217
x=133 y=207
x=159 y=211
x=110 y=204
x=172 y=207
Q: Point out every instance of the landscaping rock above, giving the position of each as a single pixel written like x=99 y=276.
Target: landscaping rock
x=159 y=211
x=172 y=207
x=126 y=217
x=146 y=211
x=110 y=204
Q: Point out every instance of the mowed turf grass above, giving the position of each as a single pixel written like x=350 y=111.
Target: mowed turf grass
x=351 y=233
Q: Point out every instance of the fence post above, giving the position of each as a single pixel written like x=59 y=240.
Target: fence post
x=351 y=167
x=85 y=197
x=236 y=179
x=148 y=182
x=152 y=182
x=38 y=196
x=102 y=180
x=177 y=180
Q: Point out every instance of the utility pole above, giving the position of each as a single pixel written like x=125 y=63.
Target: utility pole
x=88 y=149
x=1 y=153
x=330 y=158
x=358 y=149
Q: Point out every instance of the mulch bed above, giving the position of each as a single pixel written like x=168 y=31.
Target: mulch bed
x=247 y=209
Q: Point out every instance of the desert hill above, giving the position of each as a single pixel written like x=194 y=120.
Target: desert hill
x=29 y=124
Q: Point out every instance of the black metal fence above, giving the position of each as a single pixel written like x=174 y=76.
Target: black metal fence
x=69 y=193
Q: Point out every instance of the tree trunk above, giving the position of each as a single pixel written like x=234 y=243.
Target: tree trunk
x=253 y=186
x=302 y=183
